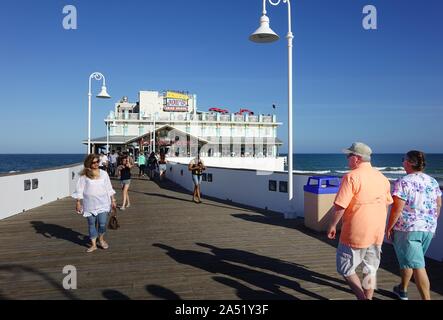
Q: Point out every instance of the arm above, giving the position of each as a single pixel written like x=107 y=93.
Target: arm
x=78 y=194
x=118 y=170
x=438 y=206
x=111 y=192
x=396 y=210
x=332 y=230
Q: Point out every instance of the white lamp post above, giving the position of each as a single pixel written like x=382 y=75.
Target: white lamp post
x=103 y=95
x=153 y=133
x=264 y=34
x=107 y=137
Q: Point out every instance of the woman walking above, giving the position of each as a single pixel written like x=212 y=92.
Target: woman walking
x=162 y=165
x=95 y=199
x=124 y=172
x=412 y=223
x=152 y=165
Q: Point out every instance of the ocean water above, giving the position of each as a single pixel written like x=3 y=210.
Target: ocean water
x=10 y=163
x=331 y=164
x=389 y=164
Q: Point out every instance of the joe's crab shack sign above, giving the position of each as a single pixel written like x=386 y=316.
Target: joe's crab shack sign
x=175 y=102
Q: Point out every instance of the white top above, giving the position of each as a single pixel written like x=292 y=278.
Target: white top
x=96 y=194
x=113 y=158
x=103 y=160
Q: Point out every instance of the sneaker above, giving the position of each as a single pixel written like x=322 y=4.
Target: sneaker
x=402 y=295
x=122 y=208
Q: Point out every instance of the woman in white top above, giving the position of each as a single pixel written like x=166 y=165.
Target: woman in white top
x=95 y=190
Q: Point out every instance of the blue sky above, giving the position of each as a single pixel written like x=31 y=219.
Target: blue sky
x=383 y=87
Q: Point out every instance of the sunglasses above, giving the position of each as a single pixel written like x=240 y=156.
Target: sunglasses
x=96 y=161
x=350 y=155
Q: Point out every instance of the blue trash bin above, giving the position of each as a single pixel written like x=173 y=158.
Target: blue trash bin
x=319 y=196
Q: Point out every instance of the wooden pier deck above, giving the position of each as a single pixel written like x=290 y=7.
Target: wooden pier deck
x=171 y=248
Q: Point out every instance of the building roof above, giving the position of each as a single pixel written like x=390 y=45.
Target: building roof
x=112 y=140
x=167 y=128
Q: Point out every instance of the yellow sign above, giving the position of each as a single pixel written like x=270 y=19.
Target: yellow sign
x=175 y=95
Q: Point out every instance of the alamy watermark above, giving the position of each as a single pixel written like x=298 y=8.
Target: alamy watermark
x=370 y=20
x=70 y=280
x=70 y=20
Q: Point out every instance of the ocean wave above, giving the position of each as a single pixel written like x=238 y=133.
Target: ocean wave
x=311 y=171
x=390 y=168
x=395 y=172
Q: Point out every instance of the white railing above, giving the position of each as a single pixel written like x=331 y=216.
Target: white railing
x=239 y=118
x=126 y=116
x=189 y=117
x=225 y=117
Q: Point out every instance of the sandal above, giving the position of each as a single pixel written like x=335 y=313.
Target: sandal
x=104 y=245
x=91 y=249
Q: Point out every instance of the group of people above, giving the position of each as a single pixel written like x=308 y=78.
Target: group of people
x=111 y=161
x=362 y=204
x=151 y=165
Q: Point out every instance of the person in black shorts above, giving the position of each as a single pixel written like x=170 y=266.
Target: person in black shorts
x=124 y=171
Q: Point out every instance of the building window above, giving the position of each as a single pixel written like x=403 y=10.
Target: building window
x=272 y=185
x=27 y=185
x=283 y=186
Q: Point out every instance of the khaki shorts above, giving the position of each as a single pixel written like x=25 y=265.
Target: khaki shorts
x=348 y=259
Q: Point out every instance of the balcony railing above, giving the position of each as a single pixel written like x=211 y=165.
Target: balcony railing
x=239 y=118
x=225 y=117
x=190 y=117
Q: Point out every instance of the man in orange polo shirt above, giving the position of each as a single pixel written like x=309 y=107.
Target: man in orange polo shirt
x=362 y=201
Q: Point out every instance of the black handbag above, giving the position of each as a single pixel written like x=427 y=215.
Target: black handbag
x=113 y=221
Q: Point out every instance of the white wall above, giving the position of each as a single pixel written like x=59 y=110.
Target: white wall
x=247 y=187
x=268 y=164
x=52 y=185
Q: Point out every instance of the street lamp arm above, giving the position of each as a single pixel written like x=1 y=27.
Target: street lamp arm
x=96 y=76
x=276 y=3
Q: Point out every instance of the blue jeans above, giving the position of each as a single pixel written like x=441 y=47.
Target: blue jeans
x=102 y=219
x=197 y=179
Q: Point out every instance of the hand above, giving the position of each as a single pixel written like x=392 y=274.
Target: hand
x=114 y=205
x=78 y=207
x=389 y=234
x=332 y=231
